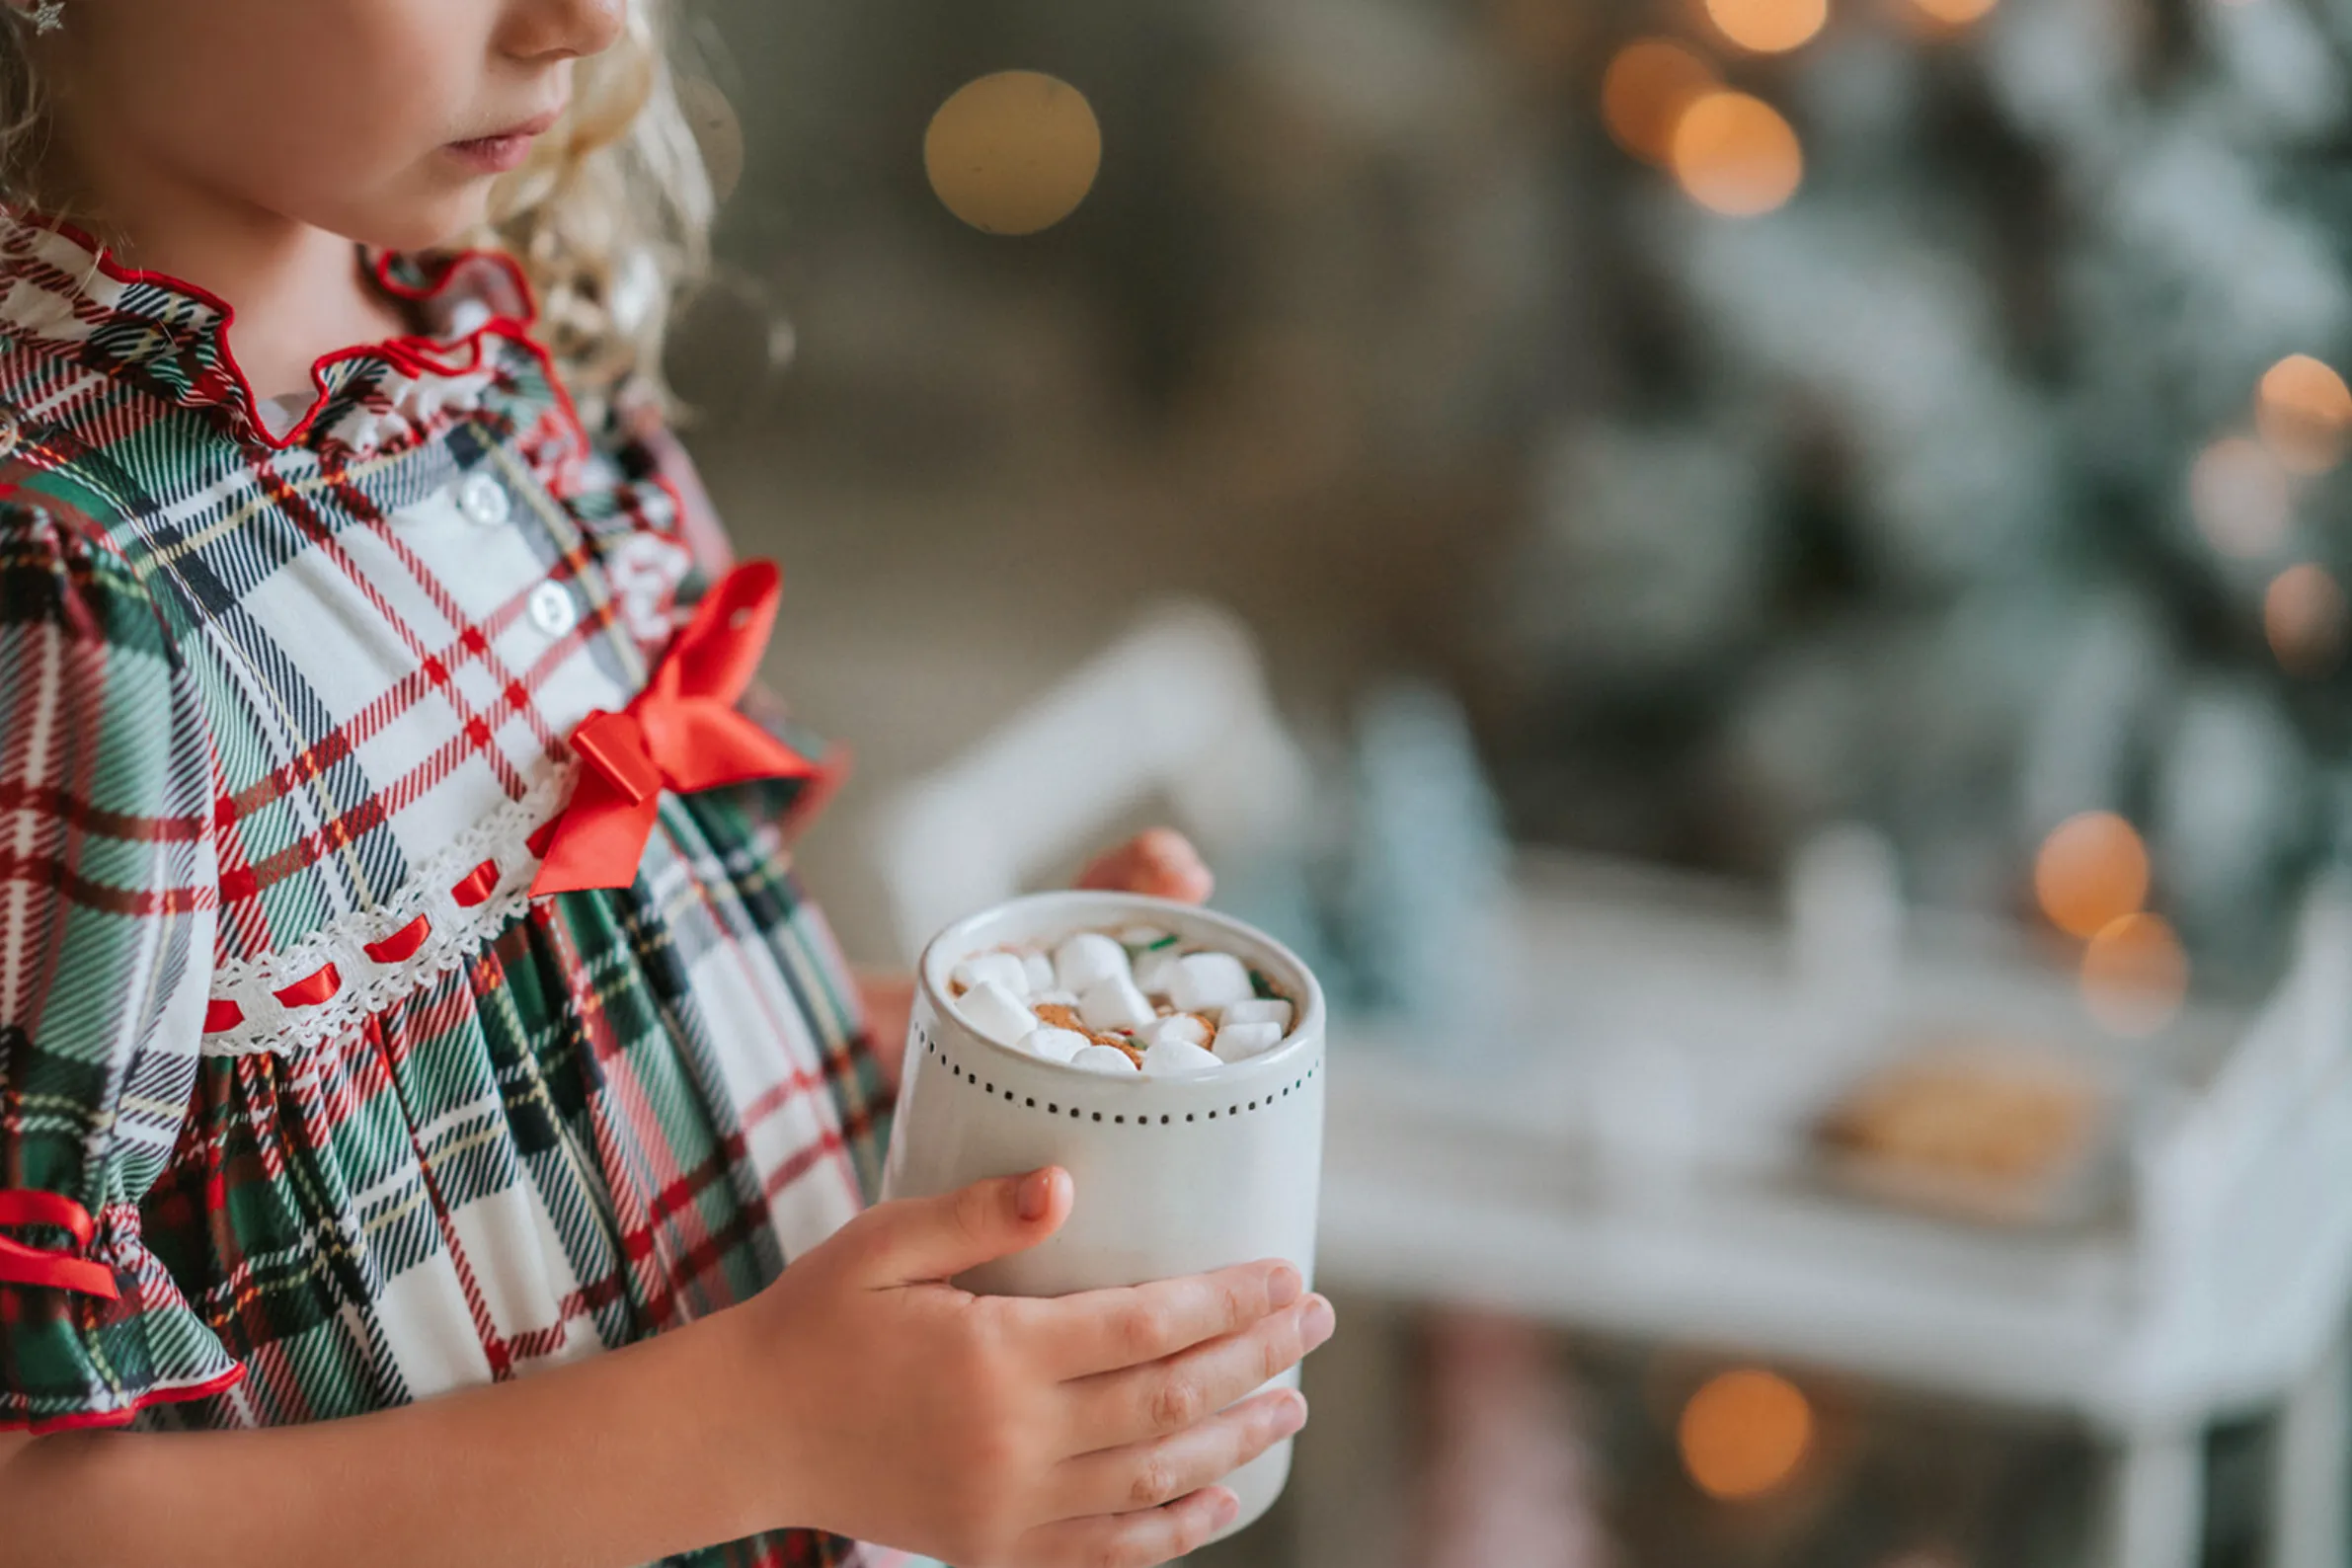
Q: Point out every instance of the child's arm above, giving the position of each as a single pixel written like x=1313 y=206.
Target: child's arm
x=850 y=1396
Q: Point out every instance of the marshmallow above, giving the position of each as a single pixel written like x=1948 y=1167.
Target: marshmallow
x=1055 y=1044
x=997 y=1013
x=1003 y=968
x=1103 y=1059
x=1086 y=960
x=1177 y=1026
x=1257 y=1010
x=1040 y=969
x=1207 y=982
x=1171 y=1057
x=1056 y=997
x=1115 y=1003
x=1241 y=1042
x=1138 y=938
x=1155 y=970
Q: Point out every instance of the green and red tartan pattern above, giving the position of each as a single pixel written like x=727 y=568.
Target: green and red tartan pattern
x=256 y=691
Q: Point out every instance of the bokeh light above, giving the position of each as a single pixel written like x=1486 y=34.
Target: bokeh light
x=1735 y=155
x=1644 y=92
x=1744 y=1433
x=2242 y=497
x=2304 y=411
x=718 y=133
x=1768 y=27
x=2135 y=974
x=1954 y=13
x=1013 y=153
x=2091 y=871
x=2302 y=615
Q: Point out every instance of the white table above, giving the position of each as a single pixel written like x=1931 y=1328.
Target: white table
x=1630 y=1161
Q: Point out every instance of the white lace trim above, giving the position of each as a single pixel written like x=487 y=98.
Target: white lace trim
x=455 y=933
x=412 y=403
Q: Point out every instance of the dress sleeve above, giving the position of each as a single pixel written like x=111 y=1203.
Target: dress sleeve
x=109 y=901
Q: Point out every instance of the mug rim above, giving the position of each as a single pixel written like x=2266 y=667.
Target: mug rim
x=932 y=976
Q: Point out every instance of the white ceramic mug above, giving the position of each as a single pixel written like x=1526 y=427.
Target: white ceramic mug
x=1173 y=1176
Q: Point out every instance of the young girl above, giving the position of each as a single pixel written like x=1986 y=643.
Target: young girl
x=417 y=1064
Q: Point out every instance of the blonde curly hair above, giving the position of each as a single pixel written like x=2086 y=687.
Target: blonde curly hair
x=610 y=217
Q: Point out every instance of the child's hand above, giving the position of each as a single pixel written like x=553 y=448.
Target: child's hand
x=1161 y=863
x=1001 y=1432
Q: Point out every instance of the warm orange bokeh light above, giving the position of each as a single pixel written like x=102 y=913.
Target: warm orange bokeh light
x=1770 y=27
x=1745 y=1433
x=1644 y=92
x=2135 y=974
x=2093 y=869
x=1954 y=13
x=2304 y=412
x=2302 y=615
x=1013 y=153
x=1736 y=155
x=2242 y=497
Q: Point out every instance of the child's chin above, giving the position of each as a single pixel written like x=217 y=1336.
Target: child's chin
x=432 y=223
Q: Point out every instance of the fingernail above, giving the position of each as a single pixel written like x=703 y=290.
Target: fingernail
x=1228 y=1506
x=1035 y=1195
x=1316 y=1322
x=1292 y=1415
x=1283 y=1287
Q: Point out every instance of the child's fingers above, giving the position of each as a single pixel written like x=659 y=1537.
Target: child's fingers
x=1147 y=1474
x=920 y=1239
x=1161 y=863
x=1133 y=1541
x=1101 y=1331
x=1123 y=1407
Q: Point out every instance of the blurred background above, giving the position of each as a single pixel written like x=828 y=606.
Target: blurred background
x=1757 y=582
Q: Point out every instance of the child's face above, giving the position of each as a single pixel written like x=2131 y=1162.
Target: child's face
x=366 y=117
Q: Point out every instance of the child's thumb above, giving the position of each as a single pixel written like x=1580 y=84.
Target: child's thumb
x=938 y=1238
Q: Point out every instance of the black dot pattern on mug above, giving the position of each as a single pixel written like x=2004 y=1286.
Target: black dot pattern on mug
x=1077 y=1113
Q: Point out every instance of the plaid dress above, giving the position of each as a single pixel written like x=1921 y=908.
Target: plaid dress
x=306 y=1107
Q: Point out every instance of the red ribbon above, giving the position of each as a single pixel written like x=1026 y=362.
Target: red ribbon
x=313 y=989
x=402 y=944
x=681 y=733
x=478 y=886
x=57 y=1270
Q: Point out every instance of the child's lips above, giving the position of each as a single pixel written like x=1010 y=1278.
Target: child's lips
x=504 y=149
x=493 y=154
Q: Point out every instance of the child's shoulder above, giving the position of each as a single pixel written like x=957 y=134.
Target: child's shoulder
x=645 y=450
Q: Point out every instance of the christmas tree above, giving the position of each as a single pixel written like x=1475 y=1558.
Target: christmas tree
x=1958 y=449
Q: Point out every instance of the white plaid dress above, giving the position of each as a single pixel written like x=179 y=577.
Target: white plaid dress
x=306 y=1108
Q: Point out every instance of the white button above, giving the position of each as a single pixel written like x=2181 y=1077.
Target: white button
x=485 y=501
x=552 y=609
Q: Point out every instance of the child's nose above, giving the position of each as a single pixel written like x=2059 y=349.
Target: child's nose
x=564 y=29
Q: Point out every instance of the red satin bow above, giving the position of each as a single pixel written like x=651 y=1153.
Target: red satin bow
x=681 y=733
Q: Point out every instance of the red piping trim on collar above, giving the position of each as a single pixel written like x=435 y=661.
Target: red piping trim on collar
x=410 y=354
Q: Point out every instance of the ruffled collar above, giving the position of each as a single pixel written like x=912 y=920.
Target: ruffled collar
x=60 y=291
